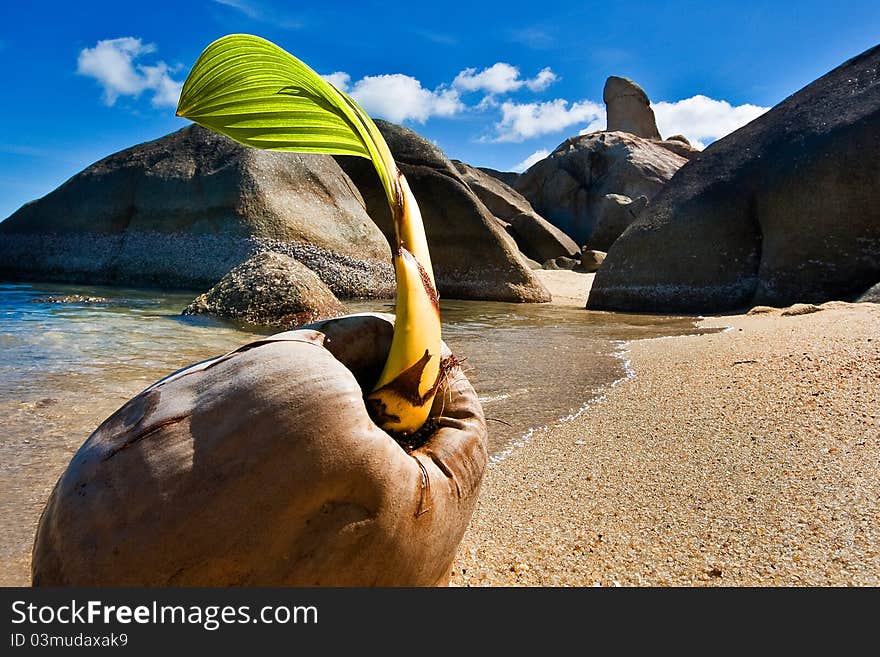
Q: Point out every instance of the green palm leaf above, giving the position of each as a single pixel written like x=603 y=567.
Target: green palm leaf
x=254 y=92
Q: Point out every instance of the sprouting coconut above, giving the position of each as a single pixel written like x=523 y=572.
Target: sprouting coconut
x=348 y=452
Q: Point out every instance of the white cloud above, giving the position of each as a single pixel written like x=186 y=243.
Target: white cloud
x=497 y=79
x=701 y=119
x=400 y=97
x=112 y=62
x=166 y=90
x=488 y=102
x=537 y=156
x=596 y=124
x=501 y=78
x=542 y=80
x=521 y=121
x=339 y=79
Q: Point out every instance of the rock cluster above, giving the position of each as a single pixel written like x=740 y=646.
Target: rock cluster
x=784 y=210
x=473 y=256
x=570 y=186
x=536 y=237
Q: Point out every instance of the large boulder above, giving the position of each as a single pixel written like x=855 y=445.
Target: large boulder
x=628 y=108
x=786 y=209
x=616 y=213
x=871 y=295
x=473 y=256
x=679 y=145
x=500 y=199
x=181 y=211
x=509 y=178
x=568 y=187
x=536 y=237
x=271 y=289
x=591 y=260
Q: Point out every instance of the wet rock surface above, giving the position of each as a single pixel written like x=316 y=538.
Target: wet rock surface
x=269 y=289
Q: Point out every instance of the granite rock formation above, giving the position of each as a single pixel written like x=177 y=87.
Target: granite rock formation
x=181 y=211
x=628 y=108
x=269 y=289
x=473 y=256
x=568 y=188
x=786 y=209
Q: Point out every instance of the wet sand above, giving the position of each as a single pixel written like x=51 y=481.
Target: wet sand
x=744 y=458
x=64 y=368
x=749 y=457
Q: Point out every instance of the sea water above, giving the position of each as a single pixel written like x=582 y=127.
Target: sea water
x=65 y=367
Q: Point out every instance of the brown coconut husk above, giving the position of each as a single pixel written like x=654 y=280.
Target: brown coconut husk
x=263 y=468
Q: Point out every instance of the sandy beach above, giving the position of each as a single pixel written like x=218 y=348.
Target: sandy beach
x=749 y=457
x=568 y=288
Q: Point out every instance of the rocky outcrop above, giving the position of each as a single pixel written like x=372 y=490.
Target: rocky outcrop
x=499 y=198
x=575 y=186
x=591 y=260
x=786 y=209
x=680 y=146
x=473 y=256
x=509 y=178
x=562 y=262
x=628 y=108
x=568 y=188
x=181 y=211
x=616 y=213
x=269 y=289
x=536 y=237
x=78 y=299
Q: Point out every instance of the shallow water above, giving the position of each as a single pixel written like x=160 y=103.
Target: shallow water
x=65 y=367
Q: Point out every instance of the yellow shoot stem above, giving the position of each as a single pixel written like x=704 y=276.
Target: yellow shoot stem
x=402 y=398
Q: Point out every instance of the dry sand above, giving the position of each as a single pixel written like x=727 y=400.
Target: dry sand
x=748 y=457
x=568 y=288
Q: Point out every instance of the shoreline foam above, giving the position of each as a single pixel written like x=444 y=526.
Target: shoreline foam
x=748 y=457
x=498 y=457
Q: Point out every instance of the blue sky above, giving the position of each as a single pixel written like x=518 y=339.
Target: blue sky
x=492 y=83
